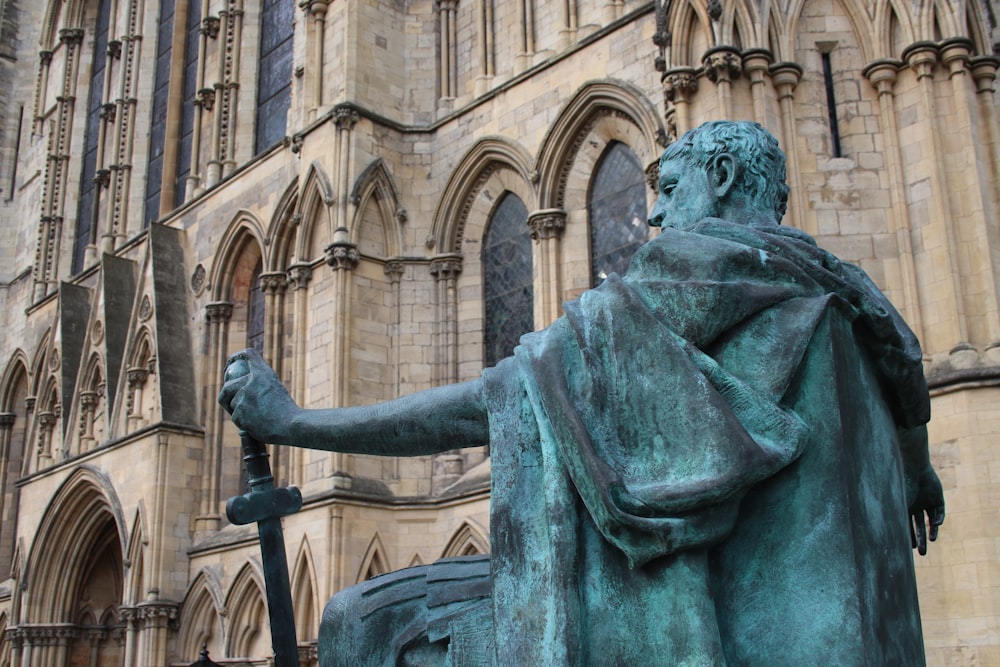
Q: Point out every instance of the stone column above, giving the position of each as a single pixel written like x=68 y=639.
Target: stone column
x=136 y=378
x=130 y=617
x=299 y=276
x=273 y=285
x=484 y=45
x=526 y=34
x=31 y=428
x=567 y=32
x=756 y=64
x=204 y=100
x=343 y=258
x=984 y=73
x=218 y=315
x=786 y=77
x=445 y=271
x=722 y=66
x=316 y=9
x=950 y=326
x=157 y=619
x=679 y=85
x=882 y=75
x=15 y=637
x=88 y=405
x=7 y=420
x=980 y=189
x=547 y=228
x=46 y=423
x=448 y=74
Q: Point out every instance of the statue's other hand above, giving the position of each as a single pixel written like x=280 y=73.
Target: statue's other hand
x=256 y=399
x=926 y=508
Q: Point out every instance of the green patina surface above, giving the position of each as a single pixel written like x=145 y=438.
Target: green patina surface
x=719 y=458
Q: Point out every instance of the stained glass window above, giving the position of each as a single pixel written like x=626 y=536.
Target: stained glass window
x=617 y=210
x=89 y=194
x=274 y=81
x=507 y=279
x=157 y=132
x=255 y=311
x=187 y=108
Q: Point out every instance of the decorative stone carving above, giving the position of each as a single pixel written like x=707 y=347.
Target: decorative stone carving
x=299 y=275
x=342 y=255
x=722 y=64
x=198 y=279
x=547 y=224
x=219 y=311
x=446 y=268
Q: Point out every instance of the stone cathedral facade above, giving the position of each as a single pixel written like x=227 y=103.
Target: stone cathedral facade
x=381 y=196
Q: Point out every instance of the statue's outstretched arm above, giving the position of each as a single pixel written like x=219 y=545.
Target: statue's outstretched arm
x=923 y=488
x=428 y=422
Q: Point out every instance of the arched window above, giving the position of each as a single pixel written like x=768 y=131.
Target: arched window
x=255 y=311
x=617 y=211
x=189 y=92
x=507 y=279
x=274 y=80
x=89 y=193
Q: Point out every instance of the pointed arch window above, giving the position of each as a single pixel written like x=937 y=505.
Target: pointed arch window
x=617 y=211
x=189 y=91
x=158 y=129
x=86 y=218
x=274 y=80
x=508 y=291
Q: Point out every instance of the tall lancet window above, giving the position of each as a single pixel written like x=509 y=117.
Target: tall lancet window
x=158 y=129
x=274 y=82
x=617 y=209
x=507 y=279
x=255 y=311
x=86 y=217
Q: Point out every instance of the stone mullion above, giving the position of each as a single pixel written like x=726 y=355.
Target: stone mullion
x=299 y=276
x=786 y=77
x=218 y=315
x=951 y=327
x=117 y=216
x=317 y=10
x=882 y=75
x=209 y=30
x=955 y=55
x=722 y=65
x=547 y=228
x=526 y=34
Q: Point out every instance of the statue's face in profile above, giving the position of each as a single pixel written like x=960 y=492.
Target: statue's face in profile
x=686 y=195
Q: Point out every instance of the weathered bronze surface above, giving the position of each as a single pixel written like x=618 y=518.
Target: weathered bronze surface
x=719 y=458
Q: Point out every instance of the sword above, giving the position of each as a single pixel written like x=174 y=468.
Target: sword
x=266 y=504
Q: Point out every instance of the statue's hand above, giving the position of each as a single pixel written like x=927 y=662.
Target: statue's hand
x=926 y=500
x=256 y=399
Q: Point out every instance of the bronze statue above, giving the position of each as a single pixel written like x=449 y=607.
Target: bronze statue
x=719 y=458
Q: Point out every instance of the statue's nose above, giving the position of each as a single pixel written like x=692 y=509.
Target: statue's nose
x=656 y=216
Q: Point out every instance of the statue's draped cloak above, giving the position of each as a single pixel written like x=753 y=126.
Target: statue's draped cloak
x=634 y=440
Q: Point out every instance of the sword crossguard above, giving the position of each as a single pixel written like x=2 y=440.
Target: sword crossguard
x=257 y=506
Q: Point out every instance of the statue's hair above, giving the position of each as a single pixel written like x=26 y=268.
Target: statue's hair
x=761 y=172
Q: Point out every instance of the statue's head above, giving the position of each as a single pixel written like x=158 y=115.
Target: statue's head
x=724 y=169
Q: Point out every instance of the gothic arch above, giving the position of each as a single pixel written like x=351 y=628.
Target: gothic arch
x=739 y=23
x=248 y=625
x=888 y=13
x=134 y=560
x=83 y=508
x=616 y=101
x=201 y=616
x=375 y=187
x=304 y=600
x=856 y=14
x=686 y=20
x=314 y=211
x=977 y=27
x=468 y=540
x=37 y=372
x=374 y=561
x=14 y=374
x=488 y=156
x=245 y=230
x=282 y=230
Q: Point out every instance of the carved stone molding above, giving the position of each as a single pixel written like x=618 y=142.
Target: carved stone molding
x=299 y=275
x=921 y=57
x=210 y=26
x=342 y=255
x=219 y=311
x=786 y=77
x=722 y=64
x=114 y=49
x=345 y=118
x=7 y=420
x=89 y=399
x=547 y=224
x=71 y=36
x=393 y=270
x=984 y=72
x=45 y=57
x=446 y=268
x=882 y=74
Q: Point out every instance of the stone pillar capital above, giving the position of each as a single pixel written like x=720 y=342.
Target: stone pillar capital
x=984 y=72
x=680 y=83
x=71 y=36
x=89 y=399
x=45 y=57
x=136 y=376
x=786 y=77
x=756 y=63
x=722 y=63
x=7 y=420
x=47 y=419
x=316 y=8
x=393 y=270
x=219 y=311
x=956 y=53
x=447 y=267
x=345 y=118
x=299 y=275
x=547 y=224
x=273 y=282
x=921 y=56
x=342 y=255
x=882 y=74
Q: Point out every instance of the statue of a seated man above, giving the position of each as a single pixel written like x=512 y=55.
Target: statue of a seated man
x=718 y=458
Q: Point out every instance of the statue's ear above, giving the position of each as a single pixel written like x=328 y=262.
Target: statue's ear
x=722 y=173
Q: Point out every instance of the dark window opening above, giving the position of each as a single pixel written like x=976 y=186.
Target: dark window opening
x=617 y=209
x=831 y=105
x=508 y=289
